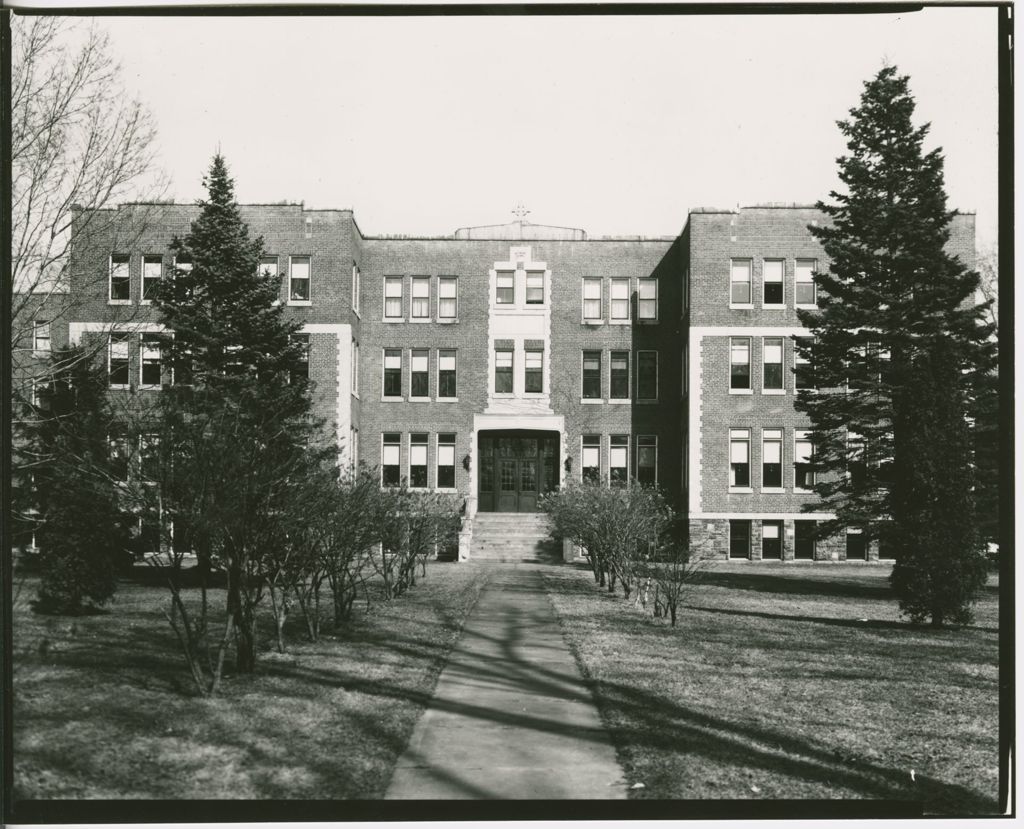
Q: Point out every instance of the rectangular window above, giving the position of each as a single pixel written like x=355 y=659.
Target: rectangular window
x=357 y=287
x=804 y=540
x=647 y=375
x=117 y=366
x=620 y=300
x=739 y=278
x=806 y=289
x=618 y=460
x=152 y=272
x=354 y=447
x=183 y=263
x=447 y=297
x=801 y=367
x=298 y=278
x=391 y=459
x=771 y=363
x=149 y=458
x=267 y=267
x=446 y=461
x=355 y=368
x=420 y=373
x=393 y=297
x=120 y=278
x=446 y=385
x=739 y=363
x=300 y=371
x=592 y=458
x=591 y=375
x=739 y=458
x=149 y=359
x=535 y=371
x=41 y=335
x=771 y=459
x=647 y=299
x=420 y=297
x=120 y=457
x=773 y=282
x=535 y=288
x=739 y=539
x=647 y=459
x=620 y=375
x=503 y=371
x=418 y=461
x=771 y=539
x=392 y=372
x=856 y=545
x=803 y=449
x=591 y=299
x=505 y=292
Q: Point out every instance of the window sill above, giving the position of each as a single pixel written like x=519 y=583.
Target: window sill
x=594 y=323
x=591 y=401
x=41 y=352
x=773 y=490
x=447 y=490
x=419 y=399
x=301 y=303
x=447 y=400
x=119 y=302
x=150 y=388
x=419 y=320
x=619 y=401
x=798 y=491
x=620 y=322
x=145 y=302
x=447 y=320
x=647 y=322
x=741 y=490
x=534 y=395
x=771 y=306
x=651 y=402
x=773 y=391
x=392 y=400
x=392 y=319
x=803 y=307
x=119 y=387
x=743 y=306
x=503 y=395
x=741 y=391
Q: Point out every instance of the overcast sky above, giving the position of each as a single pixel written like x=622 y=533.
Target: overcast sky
x=612 y=124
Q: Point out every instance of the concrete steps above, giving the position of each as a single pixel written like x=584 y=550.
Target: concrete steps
x=512 y=537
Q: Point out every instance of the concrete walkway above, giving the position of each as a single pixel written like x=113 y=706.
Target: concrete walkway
x=511 y=716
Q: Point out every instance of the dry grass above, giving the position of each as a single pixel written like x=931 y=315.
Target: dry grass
x=105 y=708
x=791 y=682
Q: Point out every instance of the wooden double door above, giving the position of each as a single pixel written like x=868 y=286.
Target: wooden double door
x=516 y=467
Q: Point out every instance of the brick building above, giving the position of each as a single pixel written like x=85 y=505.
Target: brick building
x=500 y=361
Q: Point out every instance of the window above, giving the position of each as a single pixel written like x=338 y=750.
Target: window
x=120 y=457
x=120 y=279
x=418 y=461
x=647 y=375
x=806 y=289
x=856 y=545
x=446 y=385
x=392 y=297
x=233 y=360
x=41 y=335
x=803 y=449
x=152 y=272
x=447 y=297
x=117 y=366
x=773 y=282
x=355 y=368
x=739 y=539
x=353 y=443
x=771 y=539
x=149 y=359
x=420 y=373
x=503 y=371
x=856 y=459
x=267 y=266
x=420 y=297
x=592 y=299
x=618 y=460
x=446 y=461
x=534 y=371
x=505 y=293
x=739 y=363
x=357 y=287
x=592 y=458
x=300 y=371
x=647 y=299
x=771 y=459
x=739 y=289
x=801 y=367
x=298 y=276
x=804 y=541
x=149 y=457
x=390 y=459
x=392 y=372
x=647 y=459
x=739 y=458
x=183 y=263
x=591 y=375
x=620 y=375
x=771 y=360
x=620 y=300
x=535 y=288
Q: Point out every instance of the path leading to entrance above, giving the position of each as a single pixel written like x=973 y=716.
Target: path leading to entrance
x=511 y=716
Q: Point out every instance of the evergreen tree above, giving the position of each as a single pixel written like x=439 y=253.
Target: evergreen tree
x=901 y=359
x=237 y=414
x=72 y=486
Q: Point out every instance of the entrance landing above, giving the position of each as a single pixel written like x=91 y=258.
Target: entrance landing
x=511 y=717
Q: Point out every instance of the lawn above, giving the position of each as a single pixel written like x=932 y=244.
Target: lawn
x=104 y=707
x=786 y=681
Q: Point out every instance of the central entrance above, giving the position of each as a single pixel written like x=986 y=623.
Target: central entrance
x=516 y=467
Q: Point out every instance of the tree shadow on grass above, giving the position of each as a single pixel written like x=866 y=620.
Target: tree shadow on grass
x=797 y=584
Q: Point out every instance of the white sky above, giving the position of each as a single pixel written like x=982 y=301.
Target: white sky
x=612 y=124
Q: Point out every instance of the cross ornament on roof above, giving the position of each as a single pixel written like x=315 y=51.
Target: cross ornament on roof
x=520 y=211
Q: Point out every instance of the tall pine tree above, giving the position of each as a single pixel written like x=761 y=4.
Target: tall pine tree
x=238 y=413
x=901 y=359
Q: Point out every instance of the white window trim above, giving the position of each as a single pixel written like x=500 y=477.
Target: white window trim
x=544 y=286
x=356 y=289
x=600 y=458
x=426 y=447
x=384 y=298
x=160 y=362
x=437 y=464
x=110 y=358
x=629 y=446
x=741 y=490
x=774 y=490
x=798 y=435
x=599 y=319
x=750 y=364
x=773 y=306
x=419 y=398
x=750 y=541
x=355 y=368
x=637 y=453
x=534 y=395
x=36 y=325
x=381 y=456
x=600 y=398
x=783 y=390
x=437 y=381
x=437 y=306
x=503 y=395
x=628 y=319
x=657 y=301
x=142 y=276
x=412 y=298
x=742 y=306
x=110 y=282
x=814 y=267
x=309 y=280
x=401 y=375
x=657 y=377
